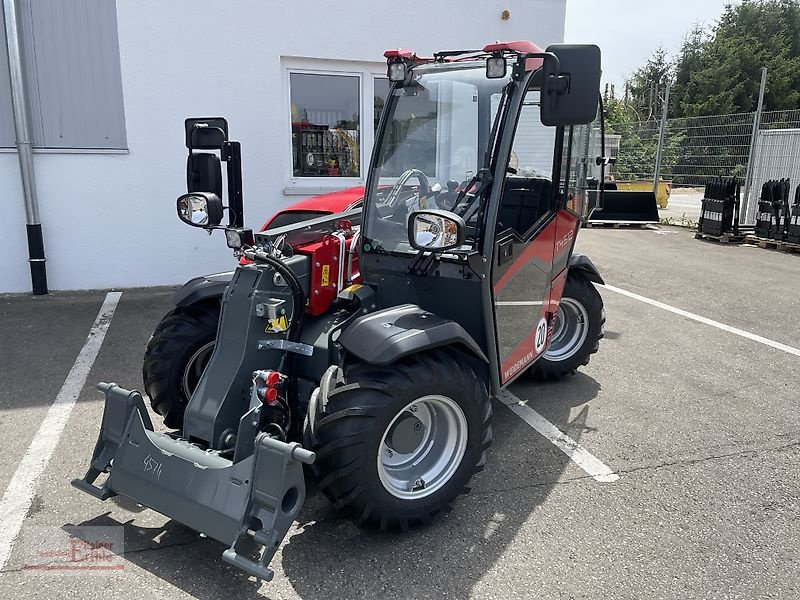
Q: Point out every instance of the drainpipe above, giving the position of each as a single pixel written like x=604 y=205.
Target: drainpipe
x=20 y=103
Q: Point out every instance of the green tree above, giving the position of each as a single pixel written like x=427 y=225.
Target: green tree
x=645 y=87
x=720 y=73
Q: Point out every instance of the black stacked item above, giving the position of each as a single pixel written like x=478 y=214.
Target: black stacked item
x=764 y=216
x=720 y=208
x=773 y=216
x=793 y=228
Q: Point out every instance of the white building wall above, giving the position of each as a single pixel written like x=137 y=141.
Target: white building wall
x=109 y=219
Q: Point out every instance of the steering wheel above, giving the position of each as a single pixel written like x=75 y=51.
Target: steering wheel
x=424 y=188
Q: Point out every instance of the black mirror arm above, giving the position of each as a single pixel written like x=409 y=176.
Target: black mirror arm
x=519 y=67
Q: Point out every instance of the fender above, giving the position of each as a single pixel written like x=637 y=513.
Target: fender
x=385 y=336
x=585 y=267
x=202 y=288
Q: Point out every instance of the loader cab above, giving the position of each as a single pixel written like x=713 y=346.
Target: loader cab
x=496 y=147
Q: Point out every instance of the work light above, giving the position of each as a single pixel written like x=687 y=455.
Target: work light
x=496 y=67
x=397 y=71
x=237 y=238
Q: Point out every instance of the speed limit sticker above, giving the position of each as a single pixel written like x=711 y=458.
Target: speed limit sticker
x=541 y=336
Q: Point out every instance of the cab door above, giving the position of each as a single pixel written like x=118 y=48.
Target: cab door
x=524 y=246
x=546 y=194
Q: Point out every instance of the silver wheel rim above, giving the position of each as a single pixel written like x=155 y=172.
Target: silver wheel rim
x=569 y=332
x=194 y=368
x=437 y=429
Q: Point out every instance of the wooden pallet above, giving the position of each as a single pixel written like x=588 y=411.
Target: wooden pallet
x=773 y=244
x=634 y=225
x=725 y=238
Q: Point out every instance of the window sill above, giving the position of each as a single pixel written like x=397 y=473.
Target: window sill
x=310 y=188
x=12 y=150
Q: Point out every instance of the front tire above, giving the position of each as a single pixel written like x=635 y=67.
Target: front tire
x=577 y=331
x=176 y=357
x=397 y=444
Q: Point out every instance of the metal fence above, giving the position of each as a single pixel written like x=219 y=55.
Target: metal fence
x=765 y=145
x=695 y=149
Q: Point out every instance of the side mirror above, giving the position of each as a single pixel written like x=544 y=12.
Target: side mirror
x=200 y=209
x=435 y=230
x=570 y=85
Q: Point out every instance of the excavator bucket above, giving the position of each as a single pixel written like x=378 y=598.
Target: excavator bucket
x=627 y=207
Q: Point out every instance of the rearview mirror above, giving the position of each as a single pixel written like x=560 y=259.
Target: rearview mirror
x=435 y=230
x=200 y=209
x=570 y=85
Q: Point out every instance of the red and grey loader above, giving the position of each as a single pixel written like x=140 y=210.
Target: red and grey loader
x=382 y=387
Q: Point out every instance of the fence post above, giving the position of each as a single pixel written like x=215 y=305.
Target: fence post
x=661 y=136
x=748 y=180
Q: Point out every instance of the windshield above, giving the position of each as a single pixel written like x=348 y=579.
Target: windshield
x=434 y=142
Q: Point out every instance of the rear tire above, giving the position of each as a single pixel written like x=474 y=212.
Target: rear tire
x=577 y=331
x=397 y=444
x=176 y=356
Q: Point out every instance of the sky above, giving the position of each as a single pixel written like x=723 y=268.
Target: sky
x=628 y=31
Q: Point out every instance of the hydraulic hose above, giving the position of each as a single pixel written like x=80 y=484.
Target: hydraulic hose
x=298 y=296
x=287 y=363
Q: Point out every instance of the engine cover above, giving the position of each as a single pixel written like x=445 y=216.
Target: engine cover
x=331 y=269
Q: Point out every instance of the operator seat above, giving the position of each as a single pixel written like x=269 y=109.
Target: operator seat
x=525 y=200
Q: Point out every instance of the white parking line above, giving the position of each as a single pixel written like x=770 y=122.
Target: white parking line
x=706 y=321
x=20 y=491
x=577 y=453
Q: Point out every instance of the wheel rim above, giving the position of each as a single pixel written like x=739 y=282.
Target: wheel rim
x=422 y=447
x=569 y=331
x=194 y=368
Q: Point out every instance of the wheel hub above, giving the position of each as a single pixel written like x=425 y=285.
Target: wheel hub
x=422 y=447
x=570 y=330
x=406 y=434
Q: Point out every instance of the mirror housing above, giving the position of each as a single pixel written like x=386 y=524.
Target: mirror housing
x=435 y=230
x=204 y=173
x=205 y=133
x=570 y=84
x=200 y=209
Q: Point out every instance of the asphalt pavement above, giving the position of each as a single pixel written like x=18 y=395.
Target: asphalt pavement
x=700 y=423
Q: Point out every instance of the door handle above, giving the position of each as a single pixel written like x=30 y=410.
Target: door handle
x=505 y=252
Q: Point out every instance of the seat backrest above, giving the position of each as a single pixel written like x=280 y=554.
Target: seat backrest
x=523 y=203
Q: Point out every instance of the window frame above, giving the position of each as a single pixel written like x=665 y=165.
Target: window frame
x=366 y=72
x=34 y=21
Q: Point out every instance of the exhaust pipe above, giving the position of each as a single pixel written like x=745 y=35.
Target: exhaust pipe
x=19 y=101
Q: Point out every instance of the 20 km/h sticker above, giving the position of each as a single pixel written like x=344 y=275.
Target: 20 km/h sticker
x=541 y=336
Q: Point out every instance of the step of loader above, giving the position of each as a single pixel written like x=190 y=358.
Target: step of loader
x=247 y=505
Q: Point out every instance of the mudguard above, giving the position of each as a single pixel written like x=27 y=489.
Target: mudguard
x=202 y=288
x=385 y=336
x=585 y=267
x=248 y=505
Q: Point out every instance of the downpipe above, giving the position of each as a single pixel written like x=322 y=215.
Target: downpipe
x=24 y=141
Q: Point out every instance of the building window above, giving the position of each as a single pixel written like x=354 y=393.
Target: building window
x=325 y=125
x=72 y=74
